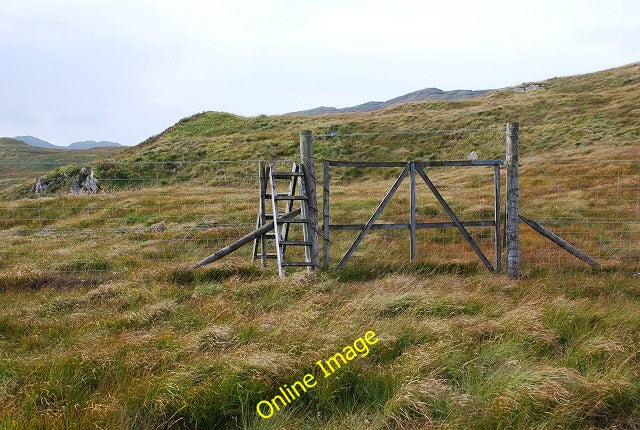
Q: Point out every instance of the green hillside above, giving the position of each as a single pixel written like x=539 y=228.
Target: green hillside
x=573 y=113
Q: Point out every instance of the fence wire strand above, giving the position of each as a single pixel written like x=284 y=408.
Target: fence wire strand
x=169 y=213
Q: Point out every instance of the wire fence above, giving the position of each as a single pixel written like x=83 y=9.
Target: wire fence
x=170 y=214
x=594 y=204
x=134 y=222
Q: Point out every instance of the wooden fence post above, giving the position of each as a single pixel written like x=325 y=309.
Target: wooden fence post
x=496 y=219
x=262 y=179
x=306 y=157
x=325 y=214
x=412 y=211
x=512 y=220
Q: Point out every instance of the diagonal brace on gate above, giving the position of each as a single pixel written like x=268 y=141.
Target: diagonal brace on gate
x=414 y=167
x=375 y=216
x=454 y=218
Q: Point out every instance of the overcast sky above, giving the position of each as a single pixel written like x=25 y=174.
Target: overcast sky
x=124 y=70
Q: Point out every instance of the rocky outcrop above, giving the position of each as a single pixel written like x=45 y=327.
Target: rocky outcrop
x=73 y=180
x=525 y=88
x=85 y=183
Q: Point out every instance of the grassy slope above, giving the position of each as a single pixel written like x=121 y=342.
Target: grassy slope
x=103 y=327
x=572 y=114
x=456 y=351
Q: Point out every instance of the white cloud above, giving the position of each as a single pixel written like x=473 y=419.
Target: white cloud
x=123 y=70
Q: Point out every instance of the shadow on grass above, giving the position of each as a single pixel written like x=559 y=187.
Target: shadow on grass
x=536 y=272
x=368 y=273
x=58 y=280
x=185 y=276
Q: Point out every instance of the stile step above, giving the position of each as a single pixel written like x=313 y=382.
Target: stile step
x=285 y=197
x=294 y=243
x=283 y=175
x=272 y=256
x=297 y=264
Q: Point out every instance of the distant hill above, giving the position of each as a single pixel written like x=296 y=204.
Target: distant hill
x=34 y=141
x=427 y=94
x=88 y=144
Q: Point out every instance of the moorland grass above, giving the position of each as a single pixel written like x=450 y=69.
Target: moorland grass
x=455 y=351
x=103 y=326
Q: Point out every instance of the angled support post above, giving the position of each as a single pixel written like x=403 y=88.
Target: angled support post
x=455 y=219
x=559 y=241
x=266 y=228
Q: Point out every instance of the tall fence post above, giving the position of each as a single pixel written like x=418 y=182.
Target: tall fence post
x=512 y=220
x=306 y=156
x=412 y=211
x=325 y=214
x=496 y=219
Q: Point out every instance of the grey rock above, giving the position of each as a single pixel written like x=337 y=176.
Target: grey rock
x=528 y=87
x=40 y=187
x=159 y=227
x=85 y=183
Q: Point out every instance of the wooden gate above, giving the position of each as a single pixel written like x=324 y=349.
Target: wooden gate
x=411 y=169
